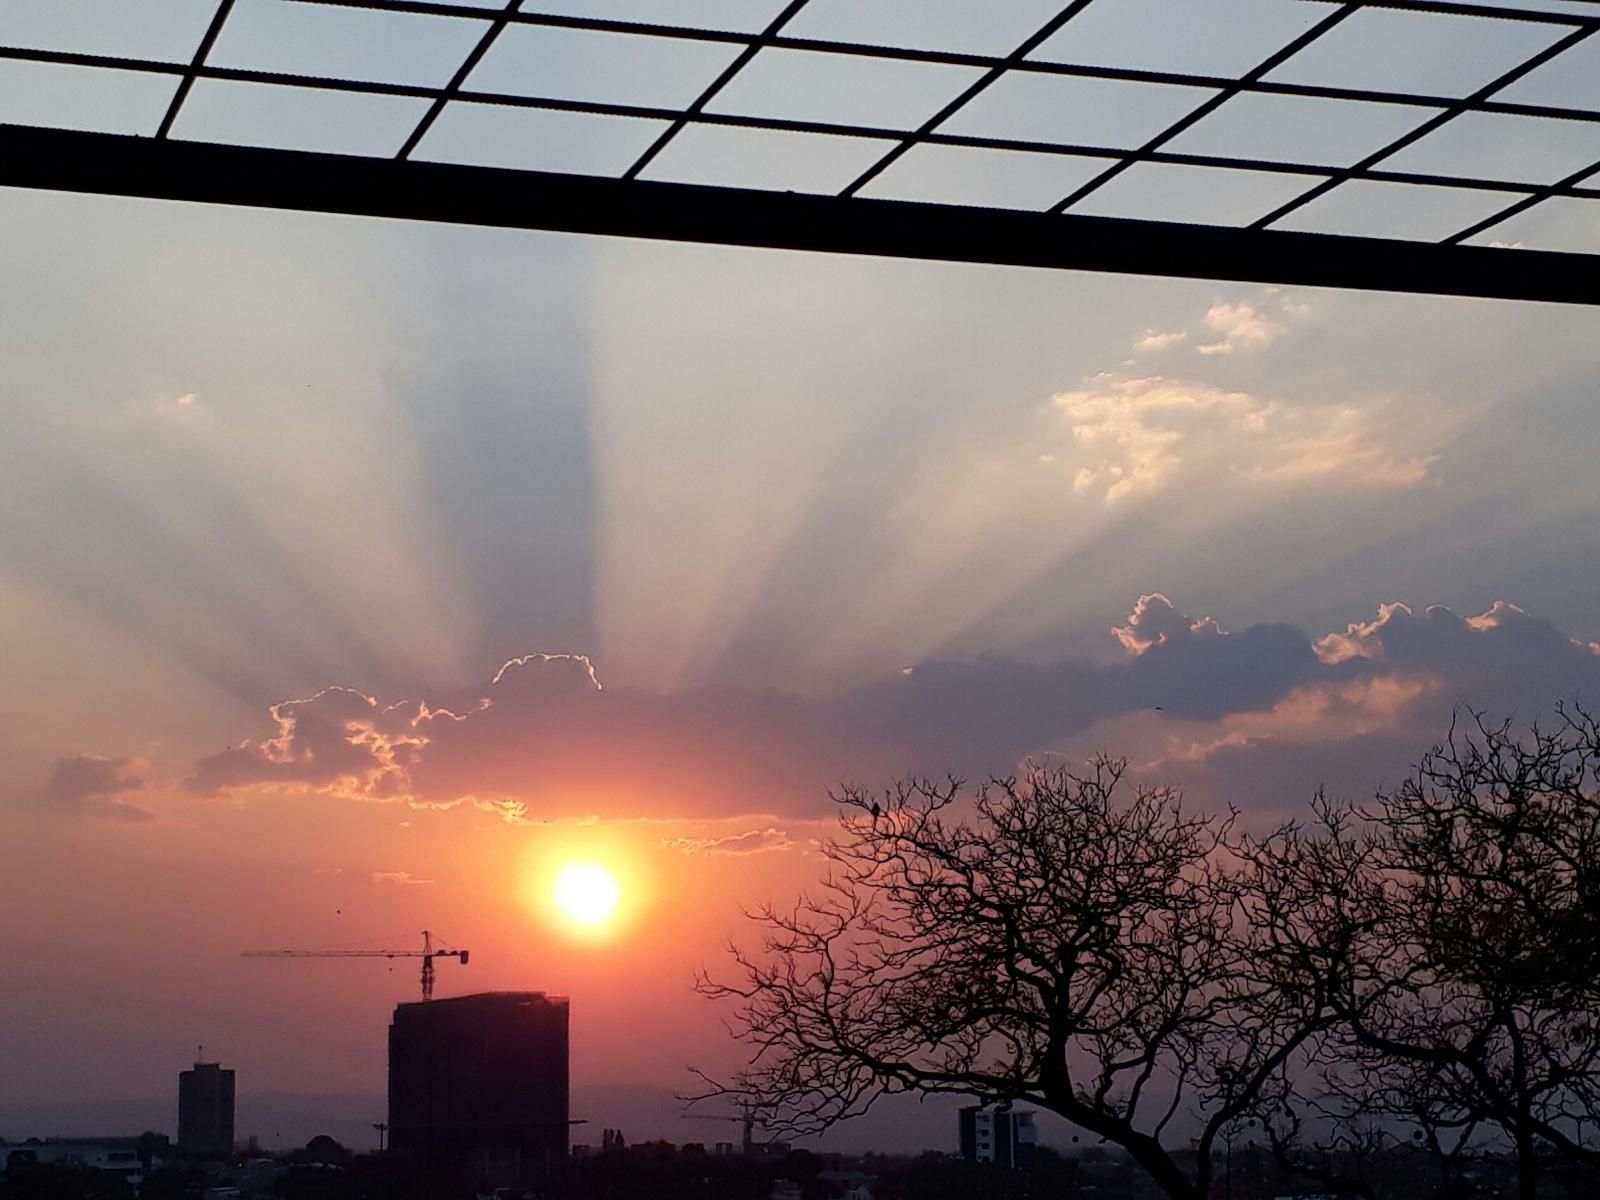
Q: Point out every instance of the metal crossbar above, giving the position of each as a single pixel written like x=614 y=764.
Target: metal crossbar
x=1253 y=238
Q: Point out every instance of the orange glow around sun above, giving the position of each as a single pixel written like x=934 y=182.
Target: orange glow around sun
x=587 y=894
x=590 y=884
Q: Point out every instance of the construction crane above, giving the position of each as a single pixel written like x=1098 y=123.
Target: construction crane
x=427 y=954
x=746 y=1119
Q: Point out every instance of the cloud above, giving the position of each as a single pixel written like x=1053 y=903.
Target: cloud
x=1346 y=447
x=1136 y=435
x=339 y=739
x=1242 y=327
x=1505 y=659
x=1274 y=778
x=398 y=878
x=545 y=742
x=1153 y=341
x=752 y=841
x=1154 y=622
x=1132 y=432
x=94 y=786
x=1407 y=673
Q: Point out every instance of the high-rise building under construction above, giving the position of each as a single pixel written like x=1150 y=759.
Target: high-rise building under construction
x=205 y=1110
x=480 y=1083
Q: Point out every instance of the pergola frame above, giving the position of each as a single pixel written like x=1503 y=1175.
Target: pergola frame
x=629 y=205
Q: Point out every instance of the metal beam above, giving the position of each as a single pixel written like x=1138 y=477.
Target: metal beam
x=113 y=164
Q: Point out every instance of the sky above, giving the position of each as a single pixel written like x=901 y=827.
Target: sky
x=358 y=576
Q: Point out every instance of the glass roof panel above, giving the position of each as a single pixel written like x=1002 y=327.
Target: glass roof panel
x=292 y=118
x=843 y=89
x=985 y=178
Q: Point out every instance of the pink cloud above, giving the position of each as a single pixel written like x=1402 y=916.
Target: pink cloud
x=95 y=786
x=544 y=741
x=752 y=841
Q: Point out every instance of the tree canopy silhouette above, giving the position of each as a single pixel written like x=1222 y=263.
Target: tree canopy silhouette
x=1416 y=975
x=1076 y=942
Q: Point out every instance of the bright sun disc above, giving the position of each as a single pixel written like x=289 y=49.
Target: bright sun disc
x=587 y=894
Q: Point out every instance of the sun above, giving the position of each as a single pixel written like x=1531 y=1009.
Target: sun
x=587 y=894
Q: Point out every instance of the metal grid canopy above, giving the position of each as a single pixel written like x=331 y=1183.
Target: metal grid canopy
x=1410 y=145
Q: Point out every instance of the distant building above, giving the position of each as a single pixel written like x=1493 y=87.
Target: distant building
x=115 y=1156
x=1001 y=1135
x=205 y=1110
x=480 y=1082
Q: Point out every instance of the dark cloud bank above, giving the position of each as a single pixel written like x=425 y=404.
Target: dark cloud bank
x=545 y=739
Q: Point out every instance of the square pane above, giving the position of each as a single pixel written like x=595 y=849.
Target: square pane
x=531 y=139
x=1569 y=80
x=63 y=97
x=800 y=85
x=984 y=178
x=292 y=118
x=1218 y=37
x=772 y=160
x=737 y=16
x=1298 y=129
x=1493 y=146
x=608 y=68
x=1564 y=223
x=1428 y=53
x=169 y=31
x=1580 y=8
x=1062 y=108
x=994 y=27
x=1193 y=195
x=344 y=43
x=1370 y=208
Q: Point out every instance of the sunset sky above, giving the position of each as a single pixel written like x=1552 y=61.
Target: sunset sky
x=358 y=577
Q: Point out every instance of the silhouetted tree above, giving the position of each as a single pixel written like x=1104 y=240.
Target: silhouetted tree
x=62 y=1181
x=940 y=1177
x=323 y=1149
x=1046 y=939
x=389 y=1176
x=170 y=1182
x=1460 y=915
x=151 y=1145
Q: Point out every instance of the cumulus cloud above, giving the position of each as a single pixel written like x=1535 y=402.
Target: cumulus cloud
x=544 y=741
x=1135 y=435
x=1273 y=778
x=1405 y=674
x=752 y=841
x=1346 y=446
x=1133 y=432
x=1504 y=659
x=1153 y=341
x=1154 y=621
x=1241 y=327
x=94 y=786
